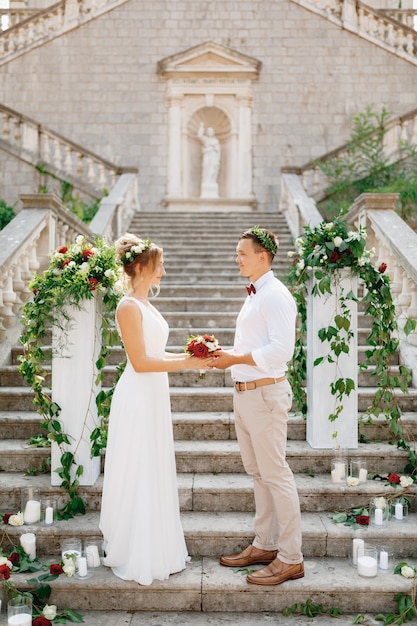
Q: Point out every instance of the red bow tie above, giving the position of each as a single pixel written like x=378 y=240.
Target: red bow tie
x=251 y=289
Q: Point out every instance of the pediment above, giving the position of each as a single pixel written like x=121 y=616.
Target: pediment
x=209 y=59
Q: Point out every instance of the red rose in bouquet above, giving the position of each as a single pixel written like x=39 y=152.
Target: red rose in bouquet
x=201 y=346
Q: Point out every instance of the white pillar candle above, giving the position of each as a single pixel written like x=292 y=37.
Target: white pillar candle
x=28 y=543
x=383 y=559
x=367 y=566
x=399 y=511
x=93 y=557
x=336 y=476
x=378 y=517
x=363 y=475
x=82 y=566
x=32 y=513
x=22 y=619
x=49 y=515
x=358 y=547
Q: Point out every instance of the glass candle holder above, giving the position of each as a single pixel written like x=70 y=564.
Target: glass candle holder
x=358 y=469
x=71 y=549
x=399 y=510
x=385 y=560
x=82 y=569
x=28 y=543
x=357 y=550
x=48 y=511
x=368 y=562
x=19 y=611
x=93 y=549
x=338 y=470
x=379 y=512
x=31 y=505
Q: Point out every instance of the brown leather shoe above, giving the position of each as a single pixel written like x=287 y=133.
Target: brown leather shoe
x=249 y=556
x=276 y=573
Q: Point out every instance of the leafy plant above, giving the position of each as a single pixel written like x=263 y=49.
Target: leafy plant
x=76 y=273
x=7 y=213
x=310 y=609
x=322 y=252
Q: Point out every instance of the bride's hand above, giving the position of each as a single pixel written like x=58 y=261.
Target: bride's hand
x=197 y=363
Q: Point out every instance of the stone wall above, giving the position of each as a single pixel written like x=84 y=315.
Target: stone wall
x=98 y=84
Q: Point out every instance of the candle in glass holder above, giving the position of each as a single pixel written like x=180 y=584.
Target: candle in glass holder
x=32 y=512
x=338 y=472
x=28 y=543
x=399 y=511
x=367 y=566
x=378 y=519
x=358 y=549
x=363 y=475
x=82 y=566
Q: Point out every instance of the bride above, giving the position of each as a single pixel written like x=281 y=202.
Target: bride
x=140 y=517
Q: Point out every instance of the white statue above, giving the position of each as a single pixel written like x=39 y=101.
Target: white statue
x=210 y=162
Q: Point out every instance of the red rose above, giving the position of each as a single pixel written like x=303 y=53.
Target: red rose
x=62 y=249
x=93 y=283
x=199 y=350
x=64 y=263
x=14 y=558
x=4 y=572
x=334 y=256
x=394 y=478
x=87 y=253
x=362 y=520
x=41 y=620
x=6 y=517
x=55 y=569
x=382 y=268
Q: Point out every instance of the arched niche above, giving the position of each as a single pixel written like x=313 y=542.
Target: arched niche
x=209 y=84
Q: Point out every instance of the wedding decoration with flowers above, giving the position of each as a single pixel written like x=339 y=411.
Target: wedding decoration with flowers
x=324 y=252
x=43 y=614
x=201 y=346
x=76 y=273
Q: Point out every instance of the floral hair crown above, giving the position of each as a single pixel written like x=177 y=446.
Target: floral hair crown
x=138 y=248
x=265 y=239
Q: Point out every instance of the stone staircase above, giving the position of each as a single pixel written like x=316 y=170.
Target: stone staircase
x=202 y=292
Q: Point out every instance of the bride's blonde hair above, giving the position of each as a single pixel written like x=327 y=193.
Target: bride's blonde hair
x=132 y=251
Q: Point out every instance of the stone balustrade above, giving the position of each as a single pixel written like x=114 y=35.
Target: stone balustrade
x=9 y=17
x=394 y=241
x=399 y=130
x=37 y=145
x=408 y=17
x=55 y=20
x=376 y=26
x=42 y=225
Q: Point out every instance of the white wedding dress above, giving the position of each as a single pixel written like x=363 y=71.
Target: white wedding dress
x=140 y=518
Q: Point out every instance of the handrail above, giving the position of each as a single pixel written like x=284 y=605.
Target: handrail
x=402 y=128
x=48 y=23
x=35 y=144
x=42 y=225
x=376 y=26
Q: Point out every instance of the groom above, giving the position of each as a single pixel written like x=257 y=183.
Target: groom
x=264 y=343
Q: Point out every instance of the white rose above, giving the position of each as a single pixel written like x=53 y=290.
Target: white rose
x=329 y=226
x=69 y=568
x=408 y=572
x=352 y=481
x=109 y=274
x=85 y=267
x=301 y=264
x=337 y=242
x=118 y=287
x=71 y=264
x=16 y=520
x=49 y=611
x=290 y=253
x=406 y=481
x=79 y=240
x=380 y=503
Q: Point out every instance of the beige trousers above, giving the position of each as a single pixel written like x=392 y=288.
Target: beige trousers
x=261 y=417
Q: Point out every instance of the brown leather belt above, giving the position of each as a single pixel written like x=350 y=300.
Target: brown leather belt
x=261 y=382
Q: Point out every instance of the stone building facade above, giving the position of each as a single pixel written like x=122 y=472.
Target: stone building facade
x=101 y=86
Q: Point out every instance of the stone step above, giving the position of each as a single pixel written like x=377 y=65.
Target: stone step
x=223 y=456
x=207 y=425
x=200 y=398
x=209 y=534
x=207 y=586
x=11 y=377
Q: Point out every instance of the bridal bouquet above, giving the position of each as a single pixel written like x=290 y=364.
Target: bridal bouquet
x=201 y=346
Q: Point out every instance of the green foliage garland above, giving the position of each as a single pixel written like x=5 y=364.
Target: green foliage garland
x=323 y=252
x=76 y=273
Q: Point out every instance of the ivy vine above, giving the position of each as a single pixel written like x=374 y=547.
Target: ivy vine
x=322 y=252
x=76 y=273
